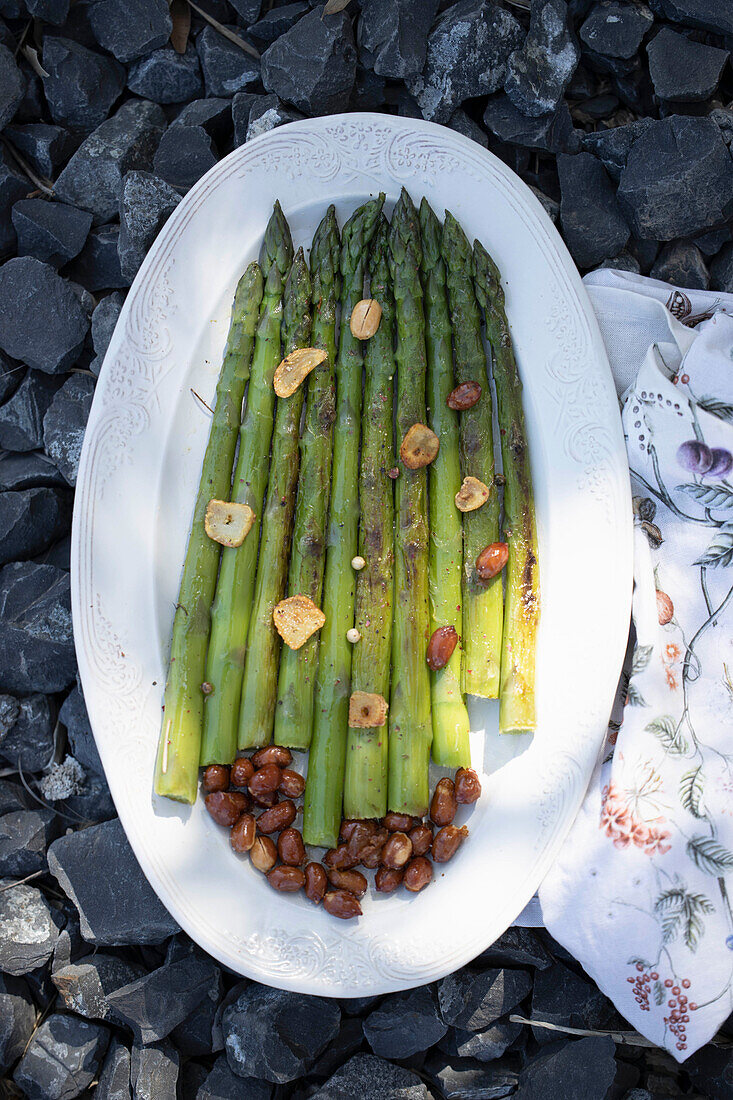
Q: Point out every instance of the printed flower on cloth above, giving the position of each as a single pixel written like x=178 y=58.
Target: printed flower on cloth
x=642 y=893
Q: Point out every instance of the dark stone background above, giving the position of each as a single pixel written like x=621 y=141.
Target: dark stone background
x=619 y=115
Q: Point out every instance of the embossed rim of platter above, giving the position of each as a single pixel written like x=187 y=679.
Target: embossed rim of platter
x=137 y=476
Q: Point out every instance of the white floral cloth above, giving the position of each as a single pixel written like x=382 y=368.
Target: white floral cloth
x=642 y=893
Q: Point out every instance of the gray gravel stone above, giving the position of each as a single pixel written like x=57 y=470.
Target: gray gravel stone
x=678 y=179
x=146 y=203
x=612 y=146
x=166 y=76
x=62 y=1059
x=585 y=1068
x=349 y=1040
x=467 y=54
x=682 y=69
x=474 y=1000
x=74 y=716
x=708 y=15
x=13 y=797
x=13 y=186
x=227 y=69
x=158 y=1001
x=82 y=85
x=517 y=947
x=562 y=997
x=65 y=422
x=682 y=264
x=540 y=70
x=50 y=231
x=278 y=20
x=242 y=105
x=97 y=267
x=212 y=115
x=154 y=1071
x=24 y=837
x=616 y=30
x=464 y=124
x=36 y=640
x=267 y=113
x=484 y=1046
x=17 y=1019
x=127 y=141
x=21 y=418
x=28 y=931
x=86 y=985
x=370 y=1078
x=29 y=738
x=11 y=375
x=463 y=1079
x=51 y=11
x=31 y=520
x=42 y=321
x=721 y=270
x=114 y=1080
x=222 y=1084
x=625 y=261
x=405 y=1024
x=130 y=28
x=192 y=1037
x=44 y=146
x=114 y=910
x=553 y=132
x=394 y=35
x=249 y=10
x=594 y=227
x=104 y=321
x=275 y=1034
x=313 y=66
x=184 y=155
x=94 y=803
x=12 y=86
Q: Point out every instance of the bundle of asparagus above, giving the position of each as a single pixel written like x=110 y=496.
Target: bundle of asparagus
x=387 y=563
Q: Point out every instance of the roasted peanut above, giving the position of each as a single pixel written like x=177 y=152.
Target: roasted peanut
x=353 y=881
x=242 y=836
x=492 y=560
x=277 y=818
x=360 y=838
x=340 y=858
x=288 y=880
x=468 y=785
x=397 y=851
x=316 y=881
x=347 y=827
x=263 y=853
x=371 y=857
x=464 y=396
x=399 y=823
x=447 y=842
x=291 y=783
x=215 y=778
x=443 y=805
x=272 y=754
x=266 y=799
x=290 y=847
x=440 y=647
x=387 y=879
x=421 y=837
x=340 y=903
x=418 y=873
x=226 y=807
x=365 y=318
x=265 y=780
x=241 y=772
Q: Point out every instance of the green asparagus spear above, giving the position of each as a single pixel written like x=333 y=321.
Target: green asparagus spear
x=451 y=747
x=230 y=613
x=482 y=601
x=365 y=785
x=522 y=607
x=294 y=712
x=410 y=729
x=324 y=786
x=176 y=769
x=259 y=685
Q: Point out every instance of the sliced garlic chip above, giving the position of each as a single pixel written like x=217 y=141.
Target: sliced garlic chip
x=367 y=710
x=419 y=447
x=295 y=368
x=296 y=618
x=228 y=523
x=471 y=495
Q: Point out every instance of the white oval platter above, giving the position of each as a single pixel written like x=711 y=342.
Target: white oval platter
x=137 y=481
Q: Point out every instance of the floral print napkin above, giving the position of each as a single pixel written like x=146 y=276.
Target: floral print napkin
x=642 y=894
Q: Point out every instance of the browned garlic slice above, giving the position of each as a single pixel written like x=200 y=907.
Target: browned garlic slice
x=367 y=710
x=227 y=522
x=295 y=368
x=471 y=495
x=296 y=618
x=419 y=447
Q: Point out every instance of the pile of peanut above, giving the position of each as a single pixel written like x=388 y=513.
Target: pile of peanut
x=397 y=848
